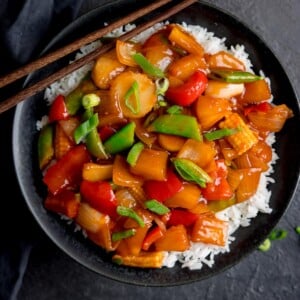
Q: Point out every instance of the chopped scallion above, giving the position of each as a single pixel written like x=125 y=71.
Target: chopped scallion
x=232 y=76
x=265 y=246
x=85 y=128
x=162 y=84
x=134 y=153
x=157 y=207
x=175 y=110
x=90 y=100
x=189 y=171
x=117 y=236
x=277 y=234
x=130 y=213
x=220 y=133
x=132 y=98
x=147 y=67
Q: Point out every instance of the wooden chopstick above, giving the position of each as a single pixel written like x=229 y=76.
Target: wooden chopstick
x=41 y=85
x=59 y=53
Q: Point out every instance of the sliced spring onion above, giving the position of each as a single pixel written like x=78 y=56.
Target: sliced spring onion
x=117 y=236
x=277 y=234
x=175 y=110
x=157 y=207
x=220 y=133
x=162 y=84
x=134 y=153
x=85 y=128
x=147 y=67
x=189 y=171
x=133 y=103
x=232 y=76
x=90 y=100
x=297 y=229
x=162 y=103
x=130 y=213
x=117 y=260
x=265 y=246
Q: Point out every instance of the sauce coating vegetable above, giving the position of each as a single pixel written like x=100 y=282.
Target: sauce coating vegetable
x=162 y=135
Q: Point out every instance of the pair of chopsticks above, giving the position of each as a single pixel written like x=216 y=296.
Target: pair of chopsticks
x=55 y=55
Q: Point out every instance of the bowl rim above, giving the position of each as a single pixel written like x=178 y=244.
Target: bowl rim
x=80 y=22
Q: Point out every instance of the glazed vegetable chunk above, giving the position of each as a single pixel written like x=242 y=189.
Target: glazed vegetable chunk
x=106 y=68
x=134 y=93
x=157 y=151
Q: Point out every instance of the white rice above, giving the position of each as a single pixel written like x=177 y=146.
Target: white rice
x=239 y=215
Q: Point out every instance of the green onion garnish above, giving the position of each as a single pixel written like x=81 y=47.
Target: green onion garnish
x=132 y=98
x=277 y=234
x=265 y=246
x=232 y=76
x=157 y=207
x=147 y=67
x=189 y=171
x=175 y=110
x=117 y=236
x=220 y=133
x=134 y=153
x=90 y=100
x=130 y=213
x=85 y=128
x=162 y=84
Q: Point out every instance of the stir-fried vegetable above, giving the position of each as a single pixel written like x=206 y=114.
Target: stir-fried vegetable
x=232 y=76
x=162 y=136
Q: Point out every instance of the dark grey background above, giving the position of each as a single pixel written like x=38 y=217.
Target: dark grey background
x=51 y=274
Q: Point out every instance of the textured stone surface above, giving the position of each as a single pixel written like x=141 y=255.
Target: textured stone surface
x=51 y=274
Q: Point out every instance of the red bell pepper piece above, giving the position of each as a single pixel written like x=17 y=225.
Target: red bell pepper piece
x=189 y=91
x=219 y=189
x=58 y=110
x=105 y=132
x=162 y=190
x=100 y=195
x=67 y=171
x=180 y=216
x=152 y=236
x=263 y=107
x=64 y=202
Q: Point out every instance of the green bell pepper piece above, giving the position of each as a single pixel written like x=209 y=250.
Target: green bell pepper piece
x=45 y=145
x=175 y=124
x=121 y=140
x=94 y=144
x=73 y=101
x=189 y=171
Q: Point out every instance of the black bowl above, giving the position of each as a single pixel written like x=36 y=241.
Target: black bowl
x=286 y=170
